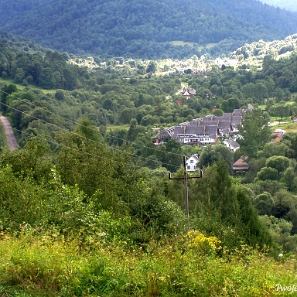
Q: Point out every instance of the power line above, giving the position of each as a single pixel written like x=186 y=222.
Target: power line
x=76 y=134
x=71 y=148
x=76 y=123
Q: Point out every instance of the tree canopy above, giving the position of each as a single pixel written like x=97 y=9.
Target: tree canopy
x=155 y=29
x=255 y=133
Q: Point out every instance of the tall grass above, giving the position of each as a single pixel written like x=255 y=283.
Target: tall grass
x=50 y=266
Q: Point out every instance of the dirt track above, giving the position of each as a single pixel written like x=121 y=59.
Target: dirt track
x=10 y=139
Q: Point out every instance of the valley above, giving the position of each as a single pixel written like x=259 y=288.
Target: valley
x=156 y=149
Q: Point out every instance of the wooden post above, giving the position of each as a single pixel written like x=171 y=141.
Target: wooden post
x=186 y=192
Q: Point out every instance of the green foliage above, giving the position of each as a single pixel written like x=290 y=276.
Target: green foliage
x=284 y=203
x=230 y=104
x=276 y=149
x=49 y=71
x=264 y=203
x=218 y=112
x=267 y=173
x=22 y=202
x=83 y=186
x=2 y=138
x=224 y=209
x=146 y=30
x=279 y=163
x=214 y=153
x=289 y=179
x=33 y=161
x=255 y=133
x=252 y=229
x=6 y=91
x=85 y=161
x=49 y=266
x=152 y=67
x=280 y=231
x=170 y=154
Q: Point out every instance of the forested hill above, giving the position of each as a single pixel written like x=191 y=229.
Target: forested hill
x=145 y=28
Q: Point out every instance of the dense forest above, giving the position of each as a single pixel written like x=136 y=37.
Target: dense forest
x=146 y=29
x=86 y=206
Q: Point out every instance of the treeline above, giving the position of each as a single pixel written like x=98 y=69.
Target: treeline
x=145 y=30
x=48 y=72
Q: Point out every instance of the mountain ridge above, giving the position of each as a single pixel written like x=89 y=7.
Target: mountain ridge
x=145 y=29
x=287 y=4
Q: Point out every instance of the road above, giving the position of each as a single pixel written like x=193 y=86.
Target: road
x=181 y=90
x=10 y=139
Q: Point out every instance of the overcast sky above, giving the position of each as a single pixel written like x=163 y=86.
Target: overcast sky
x=287 y=4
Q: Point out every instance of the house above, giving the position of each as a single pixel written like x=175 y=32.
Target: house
x=191 y=163
x=188 y=91
x=231 y=144
x=240 y=165
x=236 y=118
x=167 y=132
x=191 y=91
x=279 y=133
x=187 y=94
x=277 y=139
x=188 y=134
x=224 y=127
x=250 y=107
x=205 y=130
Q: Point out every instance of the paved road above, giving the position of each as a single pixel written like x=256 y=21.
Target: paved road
x=10 y=139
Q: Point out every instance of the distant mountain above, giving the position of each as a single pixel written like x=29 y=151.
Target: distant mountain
x=286 y=4
x=145 y=29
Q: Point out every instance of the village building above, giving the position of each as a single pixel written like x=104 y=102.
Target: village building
x=192 y=162
x=206 y=130
x=279 y=133
x=240 y=165
x=187 y=92
x=231 y=144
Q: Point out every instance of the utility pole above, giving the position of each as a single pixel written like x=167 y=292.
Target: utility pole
x=186 y=192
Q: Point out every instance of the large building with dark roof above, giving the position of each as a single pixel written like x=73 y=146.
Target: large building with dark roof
x=205 y=130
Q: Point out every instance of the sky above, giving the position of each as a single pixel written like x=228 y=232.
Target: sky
x=287 y=4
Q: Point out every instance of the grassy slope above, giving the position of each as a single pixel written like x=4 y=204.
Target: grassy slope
x=23 y=88
x=194 y=45
x=43 y=266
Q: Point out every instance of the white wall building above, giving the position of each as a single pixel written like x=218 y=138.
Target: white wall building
x=191 y=163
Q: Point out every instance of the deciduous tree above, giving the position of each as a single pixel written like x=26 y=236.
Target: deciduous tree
x=255 y=133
